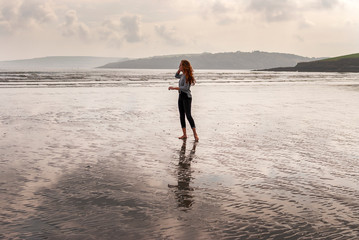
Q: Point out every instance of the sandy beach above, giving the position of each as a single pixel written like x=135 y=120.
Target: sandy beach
x=277 y=159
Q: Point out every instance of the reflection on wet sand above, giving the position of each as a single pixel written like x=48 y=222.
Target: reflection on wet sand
x=95 y=202
x=183 y=189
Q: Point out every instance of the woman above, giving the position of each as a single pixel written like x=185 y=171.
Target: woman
x=185 y=97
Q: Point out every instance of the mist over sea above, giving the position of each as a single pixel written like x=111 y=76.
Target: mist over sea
x=94 y=154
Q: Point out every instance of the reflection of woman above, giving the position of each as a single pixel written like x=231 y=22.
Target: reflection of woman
x=183 y=191
x=185 y=96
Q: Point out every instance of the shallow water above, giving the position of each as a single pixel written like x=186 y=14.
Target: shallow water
x=278 y=157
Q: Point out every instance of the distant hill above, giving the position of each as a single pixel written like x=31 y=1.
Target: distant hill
x=227 y=60
x=57 y=62
x=347 y=63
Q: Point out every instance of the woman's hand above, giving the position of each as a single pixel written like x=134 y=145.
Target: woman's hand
x=180 y=68
x=170 y=88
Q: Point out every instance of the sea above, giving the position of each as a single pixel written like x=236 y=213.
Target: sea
x=95 y=154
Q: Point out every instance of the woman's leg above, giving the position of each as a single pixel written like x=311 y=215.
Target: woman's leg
x=182 y=117
x=181 y=109
x=195 y=134
x=187 y=104
x=187 y=108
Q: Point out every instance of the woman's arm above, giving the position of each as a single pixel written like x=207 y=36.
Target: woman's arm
x=173 y=88
x=178 y=75
x=183 y=86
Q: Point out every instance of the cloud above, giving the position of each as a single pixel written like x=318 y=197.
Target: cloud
x=327 y=4
x=219 y=7
x=169 y=35
x=40 y=11
x=289 y=10
x=224 y=12
x=131 y=27
x=73 y=27
x=274 y=10
x=110 y=31
x=115 y=31
x=9 y=10
x=305 y=24
x=18 y=15
x=5 y=27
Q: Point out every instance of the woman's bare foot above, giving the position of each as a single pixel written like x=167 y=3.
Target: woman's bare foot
x=196 y=138
x=183 y=137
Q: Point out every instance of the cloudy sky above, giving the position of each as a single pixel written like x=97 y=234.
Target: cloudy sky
x=141 y=28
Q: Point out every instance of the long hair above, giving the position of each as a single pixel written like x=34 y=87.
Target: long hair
x=188 y=71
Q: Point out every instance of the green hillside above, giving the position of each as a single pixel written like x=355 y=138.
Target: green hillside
x=346 y=63
x=350 y=56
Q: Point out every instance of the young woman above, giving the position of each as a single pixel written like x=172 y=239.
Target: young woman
x=186 y=79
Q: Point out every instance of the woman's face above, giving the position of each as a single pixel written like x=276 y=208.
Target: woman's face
x=180 y=67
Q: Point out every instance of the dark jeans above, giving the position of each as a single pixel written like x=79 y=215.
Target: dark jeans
x=184 y=107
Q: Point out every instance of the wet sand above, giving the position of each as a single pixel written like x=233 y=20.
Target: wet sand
x=274 y=161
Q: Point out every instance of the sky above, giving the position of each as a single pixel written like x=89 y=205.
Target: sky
x=143 y=28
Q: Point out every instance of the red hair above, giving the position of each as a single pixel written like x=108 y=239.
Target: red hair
x=188 y=71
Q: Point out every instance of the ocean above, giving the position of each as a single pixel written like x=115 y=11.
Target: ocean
x=95 y=154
